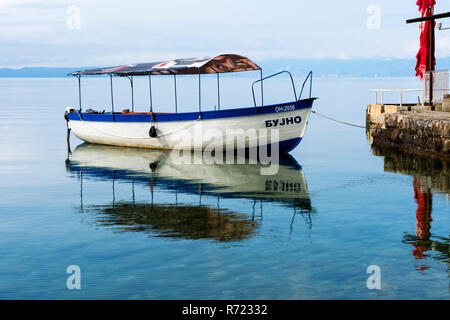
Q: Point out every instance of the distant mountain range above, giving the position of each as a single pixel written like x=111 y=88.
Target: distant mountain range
x=322 y=67
x=352 y=68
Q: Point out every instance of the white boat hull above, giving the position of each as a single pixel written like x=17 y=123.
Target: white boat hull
x=282 y=128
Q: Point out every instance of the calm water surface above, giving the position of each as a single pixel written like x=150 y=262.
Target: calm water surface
x=141 y=227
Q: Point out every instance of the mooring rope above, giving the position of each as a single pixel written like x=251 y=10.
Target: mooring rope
x=343 y=122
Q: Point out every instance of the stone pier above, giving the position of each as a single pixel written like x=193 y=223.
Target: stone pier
x=417 y=128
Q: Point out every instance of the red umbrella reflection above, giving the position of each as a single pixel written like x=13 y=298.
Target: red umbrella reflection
x=423 y=198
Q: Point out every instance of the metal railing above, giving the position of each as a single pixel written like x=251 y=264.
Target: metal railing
x=400 y=92
x=310 y=85
x=292 y=82
x=441 y=85
x=271 y=76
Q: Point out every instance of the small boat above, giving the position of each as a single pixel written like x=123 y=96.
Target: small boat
x=280 y=126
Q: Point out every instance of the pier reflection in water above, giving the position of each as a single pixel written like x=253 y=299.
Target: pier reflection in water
x=429 y=176
x=157 y=170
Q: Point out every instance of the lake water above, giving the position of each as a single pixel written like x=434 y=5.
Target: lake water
x=141 y=227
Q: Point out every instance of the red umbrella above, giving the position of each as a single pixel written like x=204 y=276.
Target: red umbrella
x=423 y=56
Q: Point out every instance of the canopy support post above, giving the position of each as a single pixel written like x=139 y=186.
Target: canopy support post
x=150 y=91
x=175 y=86
x=199 y=94
x=79 y=91
x=262 y=88
x=152 y=132
x=132 y=92
x=218 y=92
x=112 y=95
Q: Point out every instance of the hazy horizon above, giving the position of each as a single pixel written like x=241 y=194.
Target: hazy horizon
x=320 y=67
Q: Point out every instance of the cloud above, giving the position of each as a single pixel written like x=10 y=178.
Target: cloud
x=34 y=32
x=443 y=47
x=19 y=3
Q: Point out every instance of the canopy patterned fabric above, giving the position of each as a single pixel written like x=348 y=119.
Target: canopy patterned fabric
x=220 y=64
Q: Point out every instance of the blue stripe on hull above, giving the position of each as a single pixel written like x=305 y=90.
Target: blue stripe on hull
x=289 y=145
x=186 y=116
x=284 y=146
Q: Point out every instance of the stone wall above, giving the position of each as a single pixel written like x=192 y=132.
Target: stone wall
x=426 y=132
x=446 y=103
x=375 y=113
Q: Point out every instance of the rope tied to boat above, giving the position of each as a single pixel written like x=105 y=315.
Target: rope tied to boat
x=343 y=122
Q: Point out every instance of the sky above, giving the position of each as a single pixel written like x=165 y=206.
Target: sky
x=69 y=33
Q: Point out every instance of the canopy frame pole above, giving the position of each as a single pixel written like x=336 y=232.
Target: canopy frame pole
x=218 y=92
x=79 y=91
x=199 y=94
x=112 y=95
x=150 y=91
x=175 y=87
x=262 y=87
x=152 y=132
x=132 y=92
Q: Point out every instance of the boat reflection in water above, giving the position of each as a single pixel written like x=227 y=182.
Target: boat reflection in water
x=429 y=175
x=157 y=170
x=176 y=221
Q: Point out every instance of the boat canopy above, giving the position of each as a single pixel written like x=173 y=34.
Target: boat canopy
x=219 y=64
